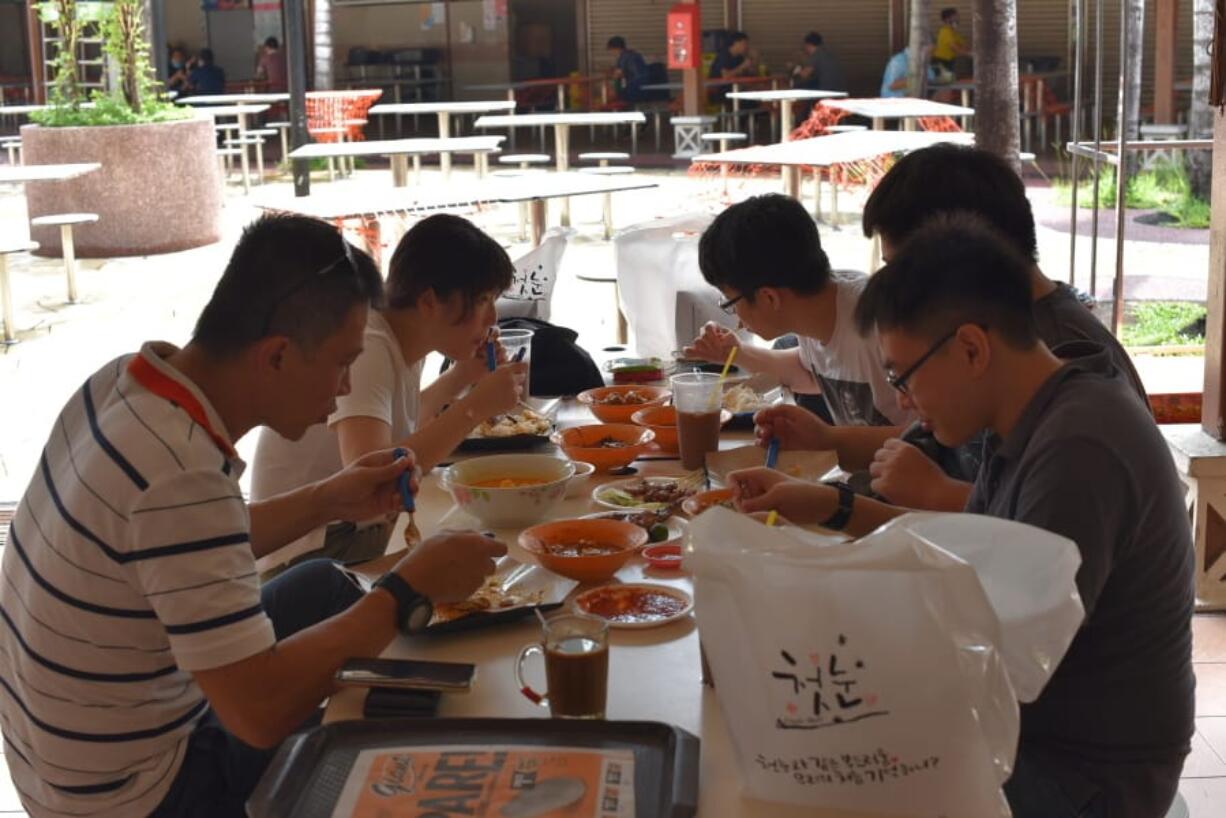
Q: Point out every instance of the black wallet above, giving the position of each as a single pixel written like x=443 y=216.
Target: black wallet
x=389 y=702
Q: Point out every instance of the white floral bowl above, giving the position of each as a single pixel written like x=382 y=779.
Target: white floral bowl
x=509 y=490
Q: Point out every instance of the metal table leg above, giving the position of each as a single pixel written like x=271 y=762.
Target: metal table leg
x=561 y=136
x=536 y=216
x=444 y=132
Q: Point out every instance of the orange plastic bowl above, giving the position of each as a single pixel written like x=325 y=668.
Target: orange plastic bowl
x=663 y=421
x=621 y=412
x=582 y=443
x=703 y=500
x=621 y=538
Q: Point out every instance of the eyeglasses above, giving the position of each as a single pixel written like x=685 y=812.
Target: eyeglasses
x=729 y=306
x=350 y=262
x=899 y=382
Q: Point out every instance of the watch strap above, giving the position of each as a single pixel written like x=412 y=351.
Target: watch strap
x=408 y=600
x=842 y=515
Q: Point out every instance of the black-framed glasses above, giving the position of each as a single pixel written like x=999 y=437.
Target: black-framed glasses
x=729 y=306
x=899 y=381
x=349 y=261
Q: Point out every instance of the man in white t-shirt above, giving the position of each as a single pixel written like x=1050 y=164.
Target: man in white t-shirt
x=444 y=278
x=765 y=255
x=146 y=671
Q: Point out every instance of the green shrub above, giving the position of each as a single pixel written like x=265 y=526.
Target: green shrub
x=1163 y=323
x=1164 y=188
x=108 y=110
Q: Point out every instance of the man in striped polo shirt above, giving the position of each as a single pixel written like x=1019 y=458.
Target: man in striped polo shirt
x=144 y=669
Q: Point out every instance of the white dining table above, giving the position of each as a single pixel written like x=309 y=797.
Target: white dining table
x=879 y=109
x=240 y=112
x=561 y=132
x=400 y=149
x=785 y=97
x=654 y=674
x=443 y=111
x=20 y=174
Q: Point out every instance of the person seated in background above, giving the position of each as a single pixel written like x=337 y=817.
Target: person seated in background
x=146 y=670
x=629 y=70
x=444 y=278
x=897 y=75
x=1071 y=450
x=950 y=43
x=765 y=256
x=270 y=65
x=821 y=70
x=176 y=68
x=941 y=179
x=206 y=77
x=733 y=61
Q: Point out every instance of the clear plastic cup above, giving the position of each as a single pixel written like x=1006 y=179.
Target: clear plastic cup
x=697 y=396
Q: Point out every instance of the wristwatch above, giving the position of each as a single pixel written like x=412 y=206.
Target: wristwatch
x=413 y=610
x=839 y=519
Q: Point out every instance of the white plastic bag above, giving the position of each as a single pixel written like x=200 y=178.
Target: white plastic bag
x=872 y=675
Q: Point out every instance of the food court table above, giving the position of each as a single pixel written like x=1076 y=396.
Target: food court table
x=20 y=174
x=240 y=113
x=400 y=149
x=561 y=130
x=444 y=111
x=785 y=97
x=654 y=674
x=560 y=83
x=906 y=108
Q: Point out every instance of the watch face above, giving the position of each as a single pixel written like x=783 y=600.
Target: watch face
x=419 y=616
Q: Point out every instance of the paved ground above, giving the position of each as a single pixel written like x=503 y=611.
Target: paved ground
x=129 y=300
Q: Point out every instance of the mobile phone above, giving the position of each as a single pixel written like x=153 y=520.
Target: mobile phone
x=407 y=674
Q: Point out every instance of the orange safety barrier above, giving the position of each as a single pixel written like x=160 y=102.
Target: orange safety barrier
x=939 y=124
x=333 y=115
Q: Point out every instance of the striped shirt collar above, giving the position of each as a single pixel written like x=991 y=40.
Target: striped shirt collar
x=150 y=370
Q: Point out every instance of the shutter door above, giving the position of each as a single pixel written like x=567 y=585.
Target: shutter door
x=856 y=33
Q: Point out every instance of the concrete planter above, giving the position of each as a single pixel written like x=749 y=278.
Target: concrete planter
x=158 y=191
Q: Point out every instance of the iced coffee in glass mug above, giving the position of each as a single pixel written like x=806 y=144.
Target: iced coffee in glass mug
x=698 y=397
x=576 y=651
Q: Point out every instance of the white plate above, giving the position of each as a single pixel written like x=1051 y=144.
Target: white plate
x=675 y=593
x=675 y=525
x=598 y=492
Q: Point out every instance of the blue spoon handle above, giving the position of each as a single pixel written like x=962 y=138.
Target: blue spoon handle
x=406 y=496
x=772 y=453
x=519 y=356
x=491 y=358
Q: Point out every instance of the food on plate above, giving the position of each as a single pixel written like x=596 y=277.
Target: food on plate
x=740 y=399
x=581 y=548
x=509 y=482
x=632 y=397
x=629 y=604
x=612 y=443
x=646 y=493
x=525 y=421
x=489 y=597
x=651 y=520
x=704 y=500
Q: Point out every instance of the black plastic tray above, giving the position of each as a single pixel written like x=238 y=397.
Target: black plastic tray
x=512 y=443
x=308 y=773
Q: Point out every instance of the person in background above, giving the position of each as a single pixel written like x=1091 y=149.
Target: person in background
x=206 y=77
x=898 y=74
x=444 y=279
x=270 y=66
x=950 y=43
x=147 y=672
x=821 y=70
x=1072 y=451
x=629 y=70
x=734 y=60
x=176 y=68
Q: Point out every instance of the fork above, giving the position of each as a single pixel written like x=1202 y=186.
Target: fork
x=412 y=536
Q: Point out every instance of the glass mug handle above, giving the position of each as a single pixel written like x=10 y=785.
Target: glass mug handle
x=541 y=699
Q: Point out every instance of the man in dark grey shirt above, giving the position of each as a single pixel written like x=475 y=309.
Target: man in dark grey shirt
x=1071 y=450
x=821 y=70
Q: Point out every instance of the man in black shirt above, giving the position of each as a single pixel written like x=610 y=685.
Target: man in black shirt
x=731 y=62
x=1071 y=450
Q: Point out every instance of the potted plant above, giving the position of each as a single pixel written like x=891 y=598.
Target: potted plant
x=152 y=153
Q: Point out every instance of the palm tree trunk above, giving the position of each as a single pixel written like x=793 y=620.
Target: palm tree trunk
x=1131 y=74
x=919 y=48
x=996 y=96
x=1200 y=117
x=323 y=45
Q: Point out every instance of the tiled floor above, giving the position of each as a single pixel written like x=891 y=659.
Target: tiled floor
x=1204 y=773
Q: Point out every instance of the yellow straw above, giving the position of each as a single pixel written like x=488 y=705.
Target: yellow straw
x=723 y=376
x=771 y=517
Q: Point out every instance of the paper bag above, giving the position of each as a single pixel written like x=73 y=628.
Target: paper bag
x=871 y=675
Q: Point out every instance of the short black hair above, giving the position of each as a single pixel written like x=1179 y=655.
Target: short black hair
x=737 y=36
x=447 y=254
x=764 y=241
x=616 y=42
x=947 y=12
x=206 y=56
x=948 y=177
x=955 y=269
x=813 y=38
x=289 y=275
x=272 y=42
